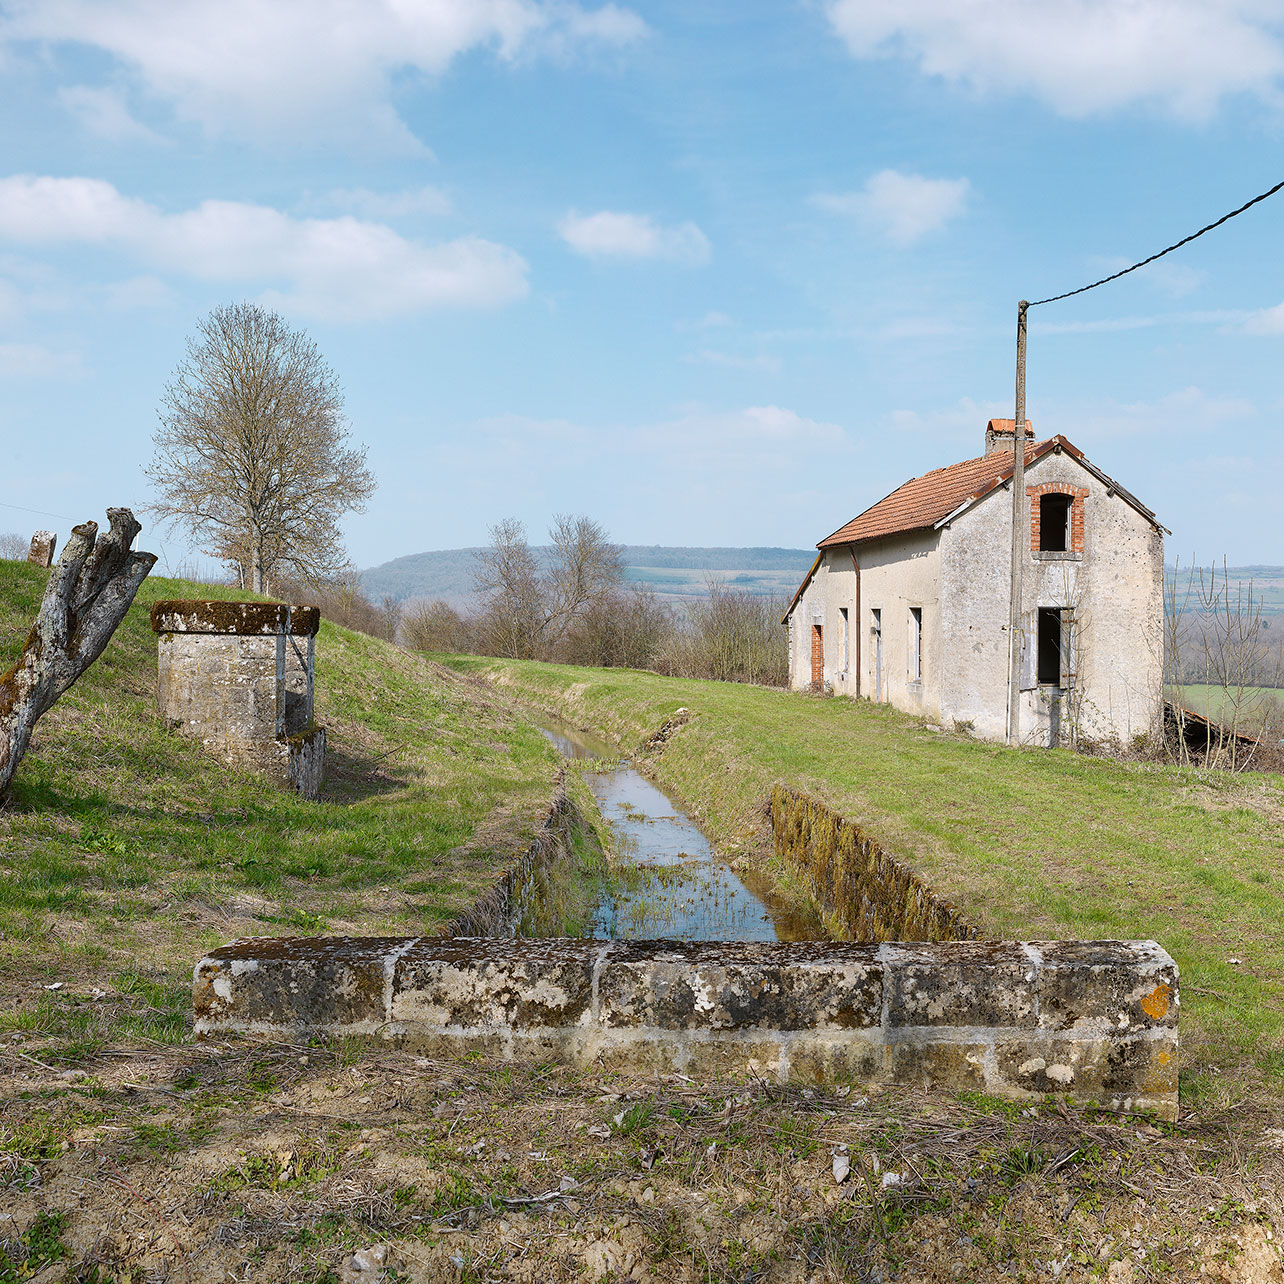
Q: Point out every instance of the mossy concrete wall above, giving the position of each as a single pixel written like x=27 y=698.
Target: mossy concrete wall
x=239 y=677
x=494 y=912
x=1092 y=1020
x=866 y=894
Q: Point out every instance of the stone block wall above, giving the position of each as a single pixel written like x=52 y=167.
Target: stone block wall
x=239 y=677
x=1092 y=1020
x=866 y=894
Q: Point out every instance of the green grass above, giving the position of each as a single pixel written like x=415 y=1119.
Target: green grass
x=1256 y=703
x=1030 y=844
x=126 y=852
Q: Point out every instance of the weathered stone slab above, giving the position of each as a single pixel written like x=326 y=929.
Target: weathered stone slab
x=471 y=983
x=242 y=619
x=1091 y=1020
x=41 y=552
x=302 y=983
x=1082 y=986
x=973 y=983
x=743 y=985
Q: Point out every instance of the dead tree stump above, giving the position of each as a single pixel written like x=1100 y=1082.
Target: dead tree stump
x=88 y=594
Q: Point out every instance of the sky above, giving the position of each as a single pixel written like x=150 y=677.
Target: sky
x=712 y=273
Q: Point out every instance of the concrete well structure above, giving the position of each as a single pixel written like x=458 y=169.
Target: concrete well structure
x=239 y=677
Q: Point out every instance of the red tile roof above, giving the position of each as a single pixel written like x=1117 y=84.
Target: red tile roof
x=923 y=501
x=1006 y=425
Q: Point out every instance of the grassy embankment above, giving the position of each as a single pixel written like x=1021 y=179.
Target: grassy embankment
x=125 y=852
x=1029 y=844
x=128 y=1153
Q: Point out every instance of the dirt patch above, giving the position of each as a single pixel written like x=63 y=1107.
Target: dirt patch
x=316 y=1164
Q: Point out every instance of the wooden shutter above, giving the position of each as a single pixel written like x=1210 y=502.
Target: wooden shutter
x=1029 y=659
x=1069 y=650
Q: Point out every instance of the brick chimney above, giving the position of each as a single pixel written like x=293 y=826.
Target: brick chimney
x=998 y=435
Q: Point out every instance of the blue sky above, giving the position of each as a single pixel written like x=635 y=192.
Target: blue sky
x=712 y=273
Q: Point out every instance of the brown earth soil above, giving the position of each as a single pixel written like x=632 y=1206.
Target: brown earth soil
x=242 y=1160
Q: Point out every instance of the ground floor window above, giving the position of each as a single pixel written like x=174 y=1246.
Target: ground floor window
x=1051 y=642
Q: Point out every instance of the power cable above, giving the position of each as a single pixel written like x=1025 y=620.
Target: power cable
x=39 y=512
x=1184 y=241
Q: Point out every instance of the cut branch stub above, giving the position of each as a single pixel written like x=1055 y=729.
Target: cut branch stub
x=89 y=591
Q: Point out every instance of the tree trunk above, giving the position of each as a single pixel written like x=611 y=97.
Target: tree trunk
x=89 y=591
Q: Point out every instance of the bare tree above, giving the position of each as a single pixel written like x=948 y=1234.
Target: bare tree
x=435 y=626
x=585 y=568
x=509 y=581
x=13 y=547
x=1217 y=644
x=528 y=612
x=88 y=593
x=252 y=455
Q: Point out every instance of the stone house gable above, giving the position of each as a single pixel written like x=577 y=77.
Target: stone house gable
x=907 y=603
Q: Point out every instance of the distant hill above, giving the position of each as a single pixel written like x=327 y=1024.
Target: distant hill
x=680 y=573
x=1267 y=584
x=673 y=572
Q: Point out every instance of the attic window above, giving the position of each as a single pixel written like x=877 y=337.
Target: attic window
x=1054 y=522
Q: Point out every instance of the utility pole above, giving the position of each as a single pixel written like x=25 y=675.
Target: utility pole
x=1019 y=537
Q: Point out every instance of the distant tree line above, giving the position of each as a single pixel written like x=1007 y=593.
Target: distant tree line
x=577 y=609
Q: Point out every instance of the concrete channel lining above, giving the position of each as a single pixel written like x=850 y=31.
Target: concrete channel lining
x=1092 y=1020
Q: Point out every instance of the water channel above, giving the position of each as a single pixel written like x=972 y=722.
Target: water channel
x=664 y=881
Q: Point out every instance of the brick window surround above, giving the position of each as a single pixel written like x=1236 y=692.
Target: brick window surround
x=1077 y=493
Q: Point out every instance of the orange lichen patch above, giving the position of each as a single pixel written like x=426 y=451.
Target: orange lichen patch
x=1158 y=1001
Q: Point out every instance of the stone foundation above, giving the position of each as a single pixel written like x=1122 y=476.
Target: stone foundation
x=1092 y=1020
x=239 y=677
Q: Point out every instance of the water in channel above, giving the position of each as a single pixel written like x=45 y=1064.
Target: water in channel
x=665 y=881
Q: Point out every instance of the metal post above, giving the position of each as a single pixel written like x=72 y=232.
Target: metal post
x=1019 y=537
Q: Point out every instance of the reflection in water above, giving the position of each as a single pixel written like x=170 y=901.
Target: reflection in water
x=667 y=881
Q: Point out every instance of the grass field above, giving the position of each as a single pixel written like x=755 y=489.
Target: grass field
x=1259 y=704
x=125 y=852
x=130 y=1154
x=1029 y=844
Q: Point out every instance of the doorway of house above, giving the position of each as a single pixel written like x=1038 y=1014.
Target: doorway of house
x=876 y=616
x=817 y=657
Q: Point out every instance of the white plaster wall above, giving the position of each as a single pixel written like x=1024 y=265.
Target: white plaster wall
x=895 y=574
x=1115 y=588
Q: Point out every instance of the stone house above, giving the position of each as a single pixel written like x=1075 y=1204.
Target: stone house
x=908 y=603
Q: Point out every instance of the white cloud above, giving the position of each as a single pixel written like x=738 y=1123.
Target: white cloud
x=31 y=361
x=138 y=293
x=1223 y=317
x=731 y=361
x=314 y=68
x=1183 y=410
x=367 y=204
x=610 y=234
x=1080 y=56
x=902 y=207
x=341 y=267
x=1267 y=321
x=102 y=113
x=963 y=422
x=725 y=476
x=1169 y=276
